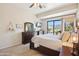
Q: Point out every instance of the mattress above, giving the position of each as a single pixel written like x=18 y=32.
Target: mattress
x=48 y=40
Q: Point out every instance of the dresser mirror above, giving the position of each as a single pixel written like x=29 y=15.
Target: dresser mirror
x=28 y=27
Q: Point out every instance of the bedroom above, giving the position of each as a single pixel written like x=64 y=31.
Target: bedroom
x=55 y=19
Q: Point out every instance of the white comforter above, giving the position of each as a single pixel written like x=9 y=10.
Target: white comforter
x=48 y=40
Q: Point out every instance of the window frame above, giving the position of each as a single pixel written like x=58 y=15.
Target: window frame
x=53 y=24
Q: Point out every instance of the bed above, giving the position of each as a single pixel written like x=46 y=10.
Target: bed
x=48 y=40
x=51 y=44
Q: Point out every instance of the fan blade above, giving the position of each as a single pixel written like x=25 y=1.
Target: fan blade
x=31 y=5
x=40 y=6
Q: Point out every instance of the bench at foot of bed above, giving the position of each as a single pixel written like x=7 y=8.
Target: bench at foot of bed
x=44 y=50
x=47 y=51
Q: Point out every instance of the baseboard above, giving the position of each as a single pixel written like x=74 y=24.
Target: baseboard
x=10 y=46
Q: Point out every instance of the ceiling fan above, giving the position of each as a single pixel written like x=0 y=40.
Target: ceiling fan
x=37 y=5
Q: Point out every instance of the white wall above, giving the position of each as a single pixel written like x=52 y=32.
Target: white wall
x=78 y=12
x=44 y=25
x=16 y=15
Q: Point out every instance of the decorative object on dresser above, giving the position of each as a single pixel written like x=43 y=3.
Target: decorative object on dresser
x=38 y=27
x=40 y=32
x=28 y=32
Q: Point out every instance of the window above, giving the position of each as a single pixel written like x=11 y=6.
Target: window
x=57 y=26
x=66 y=23
x=69 y=26
x=54 y=26
x=69 y=23
x=50 y=26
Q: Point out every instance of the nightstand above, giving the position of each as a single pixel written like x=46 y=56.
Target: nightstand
x=66 y=51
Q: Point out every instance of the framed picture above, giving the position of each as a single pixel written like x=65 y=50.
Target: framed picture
x=18 y=26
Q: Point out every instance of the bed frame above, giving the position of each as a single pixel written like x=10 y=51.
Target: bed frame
x=44 y=50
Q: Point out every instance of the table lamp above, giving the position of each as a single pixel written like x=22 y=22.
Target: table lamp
x=78 y=30
x=78 y=36
x=75 y=42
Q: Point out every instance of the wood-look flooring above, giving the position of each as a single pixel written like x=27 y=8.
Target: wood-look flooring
x=19 y=50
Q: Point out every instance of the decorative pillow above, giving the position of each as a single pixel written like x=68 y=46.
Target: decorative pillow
x=65 y=36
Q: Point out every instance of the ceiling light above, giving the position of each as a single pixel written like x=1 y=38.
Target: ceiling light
x=37 y=5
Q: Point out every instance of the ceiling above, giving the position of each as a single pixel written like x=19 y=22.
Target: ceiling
x=35 y=11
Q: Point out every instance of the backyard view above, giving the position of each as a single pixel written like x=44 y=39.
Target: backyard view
x=69 y=26
x=50 y=27
x=54 y=26
x=69 y=23
x=57 y=27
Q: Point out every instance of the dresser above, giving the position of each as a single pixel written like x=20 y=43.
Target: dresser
x=28 y=32
x=26 y=37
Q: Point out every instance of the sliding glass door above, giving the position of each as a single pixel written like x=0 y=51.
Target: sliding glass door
x=50 y=26
x=54 y=26
x=57 y=26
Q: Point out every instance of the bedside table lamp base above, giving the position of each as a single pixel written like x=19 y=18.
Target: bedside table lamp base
x=74 y=51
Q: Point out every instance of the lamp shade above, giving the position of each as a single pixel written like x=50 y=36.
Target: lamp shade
x=78 y=24
x=75 y=38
